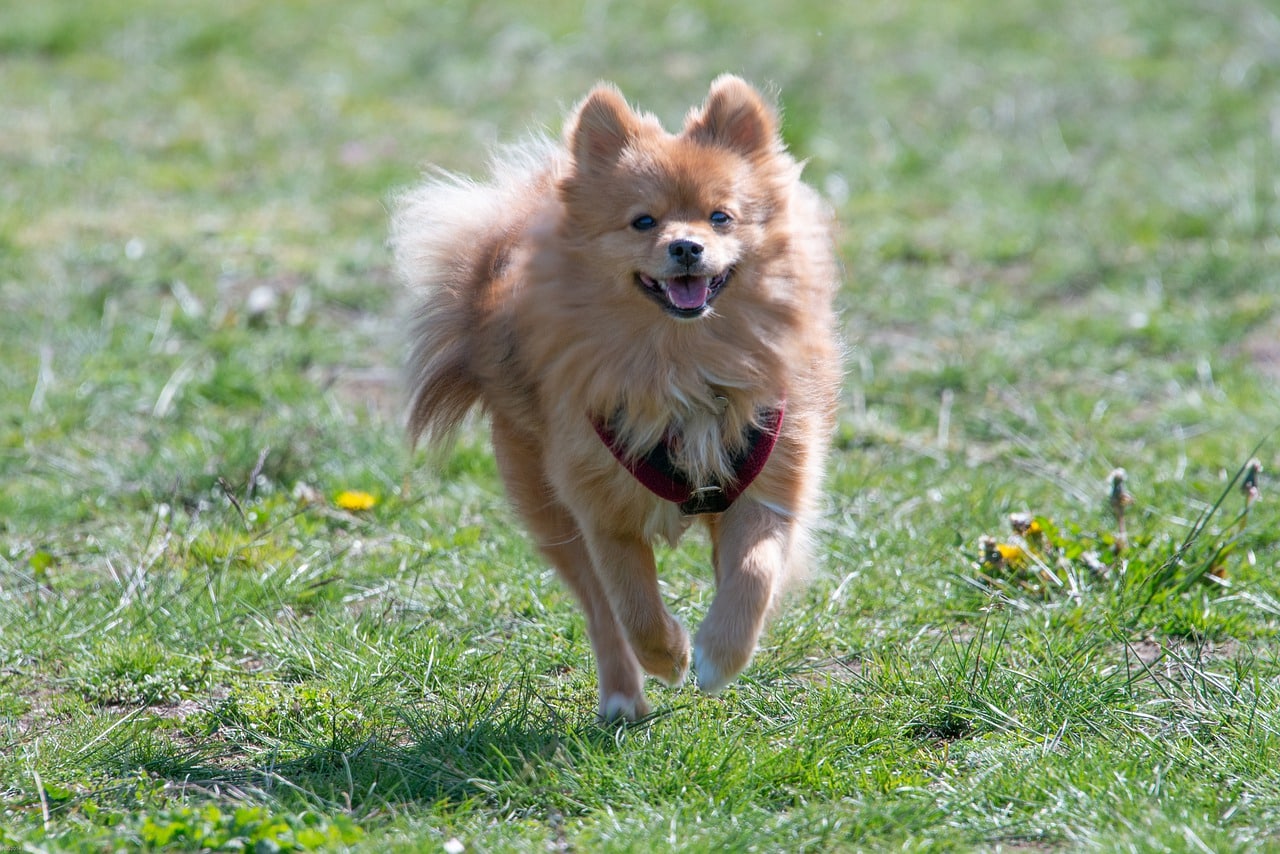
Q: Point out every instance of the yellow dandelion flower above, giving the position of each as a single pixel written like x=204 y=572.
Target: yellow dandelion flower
x=1011 y=554
x=998 y=555
x=355 y=500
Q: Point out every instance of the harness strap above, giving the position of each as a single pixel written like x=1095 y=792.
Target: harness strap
x=659 y=474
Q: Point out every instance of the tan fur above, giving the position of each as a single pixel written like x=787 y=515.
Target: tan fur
x=533 y=305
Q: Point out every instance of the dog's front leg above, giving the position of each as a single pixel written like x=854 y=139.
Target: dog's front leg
x=560 y=540
x=752 y=549
x=625 y=566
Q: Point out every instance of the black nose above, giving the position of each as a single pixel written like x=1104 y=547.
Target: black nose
x=686 y=252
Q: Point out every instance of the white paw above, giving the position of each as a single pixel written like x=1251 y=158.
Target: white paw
x=710 y=677
x=620 y=707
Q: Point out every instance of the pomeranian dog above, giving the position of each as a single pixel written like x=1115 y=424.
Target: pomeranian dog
x=646 y=318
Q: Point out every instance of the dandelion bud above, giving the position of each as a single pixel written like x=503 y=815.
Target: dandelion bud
x=1120 y=497
x=1249 y=486
x=990 y=549
x=1021 y=523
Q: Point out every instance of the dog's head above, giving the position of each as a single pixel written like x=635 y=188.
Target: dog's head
x=678 y=218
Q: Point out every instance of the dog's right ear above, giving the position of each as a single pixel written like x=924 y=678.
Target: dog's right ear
x=600 y=128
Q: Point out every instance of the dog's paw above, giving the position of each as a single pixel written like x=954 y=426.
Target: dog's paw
x=622 y=707
x=667 y=660
x=674 y=668
x=716 y=665
x=679 y=674
x=711 y=676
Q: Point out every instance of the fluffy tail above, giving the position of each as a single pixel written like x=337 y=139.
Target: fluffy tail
x=448 y=235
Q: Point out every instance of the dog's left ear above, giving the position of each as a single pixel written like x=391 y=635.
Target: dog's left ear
x=734 y=117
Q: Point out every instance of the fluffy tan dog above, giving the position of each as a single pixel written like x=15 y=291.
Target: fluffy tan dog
x=647 y=320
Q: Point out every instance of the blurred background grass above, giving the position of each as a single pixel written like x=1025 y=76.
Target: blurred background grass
x=1069 y=204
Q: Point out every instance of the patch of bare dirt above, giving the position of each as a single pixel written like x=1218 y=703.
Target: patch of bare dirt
x=1261 y=348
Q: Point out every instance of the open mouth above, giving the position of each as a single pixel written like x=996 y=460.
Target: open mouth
x=684 y=296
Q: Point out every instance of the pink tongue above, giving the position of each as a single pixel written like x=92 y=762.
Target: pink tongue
x=687 y=291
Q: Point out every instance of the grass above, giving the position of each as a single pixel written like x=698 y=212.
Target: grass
x=1060 y=236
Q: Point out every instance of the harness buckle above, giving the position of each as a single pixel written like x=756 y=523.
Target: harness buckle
x=705 y=499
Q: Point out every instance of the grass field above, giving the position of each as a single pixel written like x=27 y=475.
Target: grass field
x=1061 y=234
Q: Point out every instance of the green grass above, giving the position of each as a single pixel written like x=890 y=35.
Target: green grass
x=1061 y=233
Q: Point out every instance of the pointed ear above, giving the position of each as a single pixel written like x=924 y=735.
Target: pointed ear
x=734 y=117
x=600 y=127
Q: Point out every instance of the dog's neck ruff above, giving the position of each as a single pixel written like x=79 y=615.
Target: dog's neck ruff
x=658 y=473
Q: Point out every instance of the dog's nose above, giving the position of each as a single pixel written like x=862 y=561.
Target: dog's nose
x=686 y=252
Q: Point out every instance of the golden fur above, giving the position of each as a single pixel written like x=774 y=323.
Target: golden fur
x=588 y=281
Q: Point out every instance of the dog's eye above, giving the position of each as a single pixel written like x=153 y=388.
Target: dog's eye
x=643 y=222
x=720 y=218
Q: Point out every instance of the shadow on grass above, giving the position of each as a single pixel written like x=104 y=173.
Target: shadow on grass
x=506 y=749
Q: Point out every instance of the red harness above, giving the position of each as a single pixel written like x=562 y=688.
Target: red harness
x=658 y=472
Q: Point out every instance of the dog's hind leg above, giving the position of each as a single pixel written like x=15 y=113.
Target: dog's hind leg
x=560 y=541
